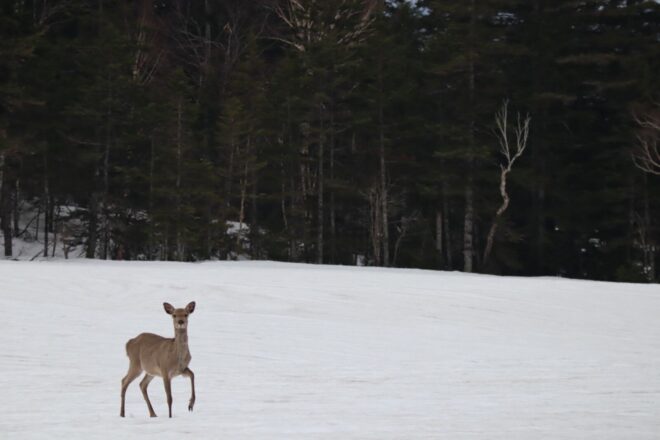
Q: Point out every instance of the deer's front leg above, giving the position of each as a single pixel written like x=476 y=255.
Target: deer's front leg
x=188 y=372
x=168 y=391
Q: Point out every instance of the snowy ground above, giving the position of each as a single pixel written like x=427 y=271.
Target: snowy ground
x=284 y=351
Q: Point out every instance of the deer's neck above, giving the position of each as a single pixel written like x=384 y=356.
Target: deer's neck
x=181 y=340
x=181 y=347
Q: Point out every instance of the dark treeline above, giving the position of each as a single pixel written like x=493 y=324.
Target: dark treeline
x=337 y=131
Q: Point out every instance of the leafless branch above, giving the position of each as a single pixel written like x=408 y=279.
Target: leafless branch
x=646 y=155
x=78 y=141
x=309 y=24
x=520 y=131
x=521 y=135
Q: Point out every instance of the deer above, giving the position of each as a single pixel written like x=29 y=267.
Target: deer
x=159 y=356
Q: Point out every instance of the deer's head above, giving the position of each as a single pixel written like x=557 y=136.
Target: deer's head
x=179 y=316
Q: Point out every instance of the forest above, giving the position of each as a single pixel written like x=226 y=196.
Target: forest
x=513 y=137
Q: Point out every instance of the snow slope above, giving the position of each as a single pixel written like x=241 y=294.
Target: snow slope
x=284 y=351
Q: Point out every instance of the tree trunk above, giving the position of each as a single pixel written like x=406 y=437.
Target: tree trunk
x=385 y=237
x=319 y=189
x=376 y=223
x=538 y=159
x=438 y=236
x=16 y=210
x=106 y=174
x=7 y=233
x=333 y=227
x=152 y=226
x=468 y=228
x=90 y=252
x=649 y=248
x=290 y=222
x=403 y=231
x=630 y=232
x=498 y=215
x=55 y=220
x=165 y=248
x=230 y=171
x=540 y=223
x=449 y=264
x=241 y=213
x=285 y=220
x=295 y=218
x=179 y=154
x=306 y=191
x=5 y=205
x=36 y=227
x=468 y=223
x=47 y=210
x=210 y=229
x=254 y=226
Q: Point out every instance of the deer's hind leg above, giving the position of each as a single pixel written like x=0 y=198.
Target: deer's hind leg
x=144 y=383
x=134 y=371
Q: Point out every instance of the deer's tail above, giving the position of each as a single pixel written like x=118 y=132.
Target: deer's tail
x=127 y=345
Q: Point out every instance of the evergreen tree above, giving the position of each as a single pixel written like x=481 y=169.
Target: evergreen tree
x=342 y=131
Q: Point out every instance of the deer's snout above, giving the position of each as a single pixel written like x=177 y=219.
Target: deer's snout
x=180 y=321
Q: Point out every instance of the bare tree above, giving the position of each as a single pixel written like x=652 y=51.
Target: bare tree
x=348 y=22
x=148 y=37
x=644 y=240
x=646 y=156
x=374 y=195
x=402 y=229
x=510 y=154
x=70 y=237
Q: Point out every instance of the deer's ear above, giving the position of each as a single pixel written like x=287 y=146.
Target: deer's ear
x=168 y=308
x=190 y=307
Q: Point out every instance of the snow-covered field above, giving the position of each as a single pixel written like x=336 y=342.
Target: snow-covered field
x=283 y=351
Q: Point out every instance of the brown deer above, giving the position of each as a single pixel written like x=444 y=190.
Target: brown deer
x=159 y=356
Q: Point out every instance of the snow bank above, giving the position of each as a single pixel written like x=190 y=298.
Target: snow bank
x=284 y=351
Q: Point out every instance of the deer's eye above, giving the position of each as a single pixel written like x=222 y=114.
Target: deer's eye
x=186 y=315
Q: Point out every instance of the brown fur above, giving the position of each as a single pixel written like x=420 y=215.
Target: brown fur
x=159 y=356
